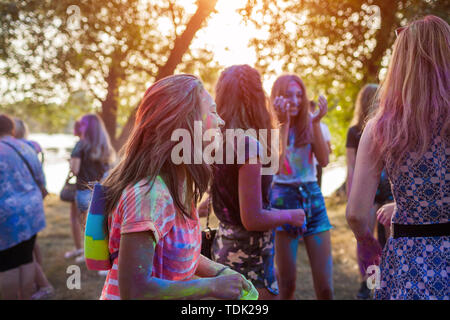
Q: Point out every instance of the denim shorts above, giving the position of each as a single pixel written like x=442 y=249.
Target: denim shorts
x=82 y=199
x=306 y=196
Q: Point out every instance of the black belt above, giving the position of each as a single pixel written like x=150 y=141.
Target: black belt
x=420 y=230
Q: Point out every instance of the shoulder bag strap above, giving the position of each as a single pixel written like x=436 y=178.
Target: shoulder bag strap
x=24 y=160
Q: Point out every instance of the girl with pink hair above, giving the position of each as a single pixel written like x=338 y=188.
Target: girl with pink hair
x=410 y=136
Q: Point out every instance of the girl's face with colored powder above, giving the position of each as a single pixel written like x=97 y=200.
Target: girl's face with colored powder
x=210 y=118
x=294 y=94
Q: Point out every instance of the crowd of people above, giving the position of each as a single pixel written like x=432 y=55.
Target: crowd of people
x=397 y=183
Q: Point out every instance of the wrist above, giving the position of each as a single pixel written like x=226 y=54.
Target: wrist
x=221 y=271
x=209 y=285
x=288 y=218
x=364 y=236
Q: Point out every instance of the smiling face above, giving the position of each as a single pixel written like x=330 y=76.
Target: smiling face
x=294 y=94
x=210 y=118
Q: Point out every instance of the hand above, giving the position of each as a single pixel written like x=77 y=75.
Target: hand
x=323 y=109
x=296 y=217
x=282 y=106
x=384 y=214
x=230 y=287
x=369 y=251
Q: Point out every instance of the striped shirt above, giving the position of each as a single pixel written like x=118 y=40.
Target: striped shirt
x=178 y=238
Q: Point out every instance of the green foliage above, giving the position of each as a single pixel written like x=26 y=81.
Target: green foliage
x=104 y=47
x=334 y=46
x=51 y=117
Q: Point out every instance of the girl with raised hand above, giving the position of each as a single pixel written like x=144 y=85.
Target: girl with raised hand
x=410 y=137
x=241 y=190
x=296 y=187
x=150 y=202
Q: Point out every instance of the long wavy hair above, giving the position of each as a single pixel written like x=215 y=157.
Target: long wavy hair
x=365 y=105
x=414 y=97
x=169 y=104
x=96 y=139
x=302 y=121
x=242 y=103
x=20 y=129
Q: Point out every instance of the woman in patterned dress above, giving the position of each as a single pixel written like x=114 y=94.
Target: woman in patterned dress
x=410 y=135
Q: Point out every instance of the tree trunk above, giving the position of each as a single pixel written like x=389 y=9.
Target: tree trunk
x=384 y=38
x=181 y=45
x=109 y=105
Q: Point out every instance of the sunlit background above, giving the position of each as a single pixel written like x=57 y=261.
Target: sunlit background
x=335 y=46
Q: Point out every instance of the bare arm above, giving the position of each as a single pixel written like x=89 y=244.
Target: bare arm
x=135 y=280
x=364 y=185
x=351 y=159
x=284 y=134
x=253 y=216
x=281 y=106
x=208 y=268
x=75 y=165
x=203 y=207
x=330 y=151
x=319 y=146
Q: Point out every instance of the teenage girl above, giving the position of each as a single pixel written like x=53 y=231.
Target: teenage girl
x=153 y=225
x=296 y=187
x=241 y=191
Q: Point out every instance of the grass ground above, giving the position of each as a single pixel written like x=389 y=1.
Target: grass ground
x=56 y=239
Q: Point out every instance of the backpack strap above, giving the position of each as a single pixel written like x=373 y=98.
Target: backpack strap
x=26 y=163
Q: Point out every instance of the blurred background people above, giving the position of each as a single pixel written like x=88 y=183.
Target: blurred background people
x=43 y=287
x=21 y=212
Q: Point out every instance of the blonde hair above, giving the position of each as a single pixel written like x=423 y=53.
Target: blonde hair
x=96 y=139
x=414 y=97
x=365 y=105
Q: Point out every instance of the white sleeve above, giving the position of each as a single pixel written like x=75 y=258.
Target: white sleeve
x=325 y=132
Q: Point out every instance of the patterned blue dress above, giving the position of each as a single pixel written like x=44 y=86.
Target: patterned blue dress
x=418 y=267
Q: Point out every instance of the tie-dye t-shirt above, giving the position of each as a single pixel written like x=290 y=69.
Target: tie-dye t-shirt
x=178 y=237
x=298 y=164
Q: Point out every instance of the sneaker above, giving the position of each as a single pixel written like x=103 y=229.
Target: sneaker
x=43 y=293
x=80 y=259
x=364 y=292
x=73 y=253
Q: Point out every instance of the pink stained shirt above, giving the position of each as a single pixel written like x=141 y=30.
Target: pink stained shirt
x=178 y=238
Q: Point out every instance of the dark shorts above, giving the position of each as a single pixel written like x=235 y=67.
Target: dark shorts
x=18 y=255
x=249 y=253
x=306 y=196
